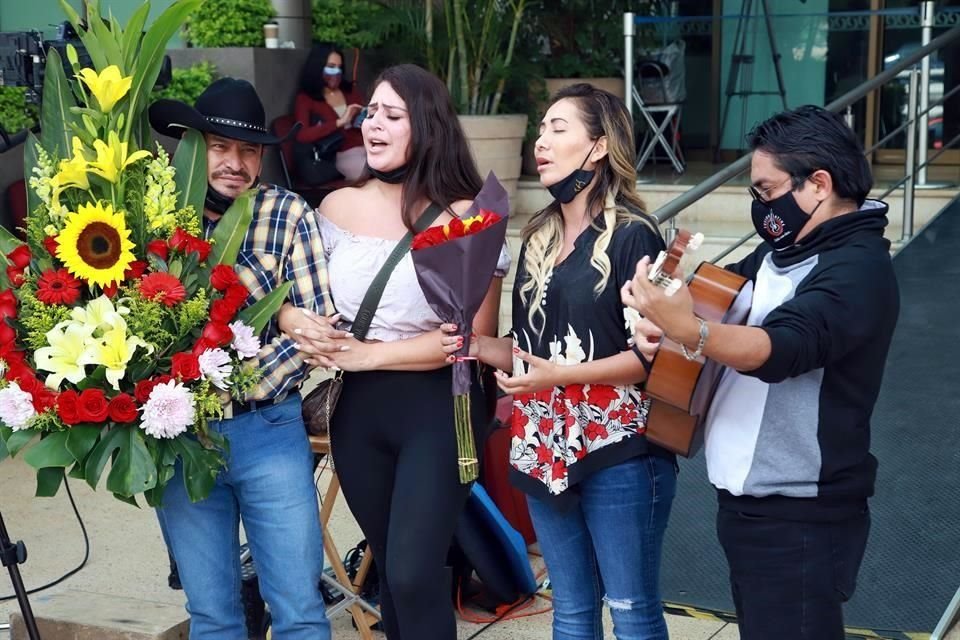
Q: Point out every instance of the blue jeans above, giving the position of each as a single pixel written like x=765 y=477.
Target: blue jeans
x=790 y=579
x=607 y=548
x=268 y=483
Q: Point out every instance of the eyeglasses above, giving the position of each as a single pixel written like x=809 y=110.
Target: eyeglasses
x=761 y=196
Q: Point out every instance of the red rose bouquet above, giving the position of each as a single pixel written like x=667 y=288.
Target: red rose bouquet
x=455 y=264
x=122 y=331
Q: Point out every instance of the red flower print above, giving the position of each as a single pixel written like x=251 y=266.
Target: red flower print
x=595 y=430
x=602 y=395
x=544 y=454
x=574 y=393
x=545 y=425
x=559 y=470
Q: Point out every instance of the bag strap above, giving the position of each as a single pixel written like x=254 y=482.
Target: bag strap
x=371 y=300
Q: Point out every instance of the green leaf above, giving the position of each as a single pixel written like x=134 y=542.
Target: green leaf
x=127 y=499
x=81 y=440
x=200 y=467
x=51 y=451
x=56 y=117
x=97 y=459
x=89 y=42
x=48 y=481
x=259 y=313
x=190 y=161
x=133 y=34
x=105 y=37
x=19 y=439
x=4 y=432
x=230 y=231
x=133 y=469
x=150 y=56
x=76 y=472
x=8 y=242
x=30 y=160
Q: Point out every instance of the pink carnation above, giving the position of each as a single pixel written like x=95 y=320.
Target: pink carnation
x=16 y=407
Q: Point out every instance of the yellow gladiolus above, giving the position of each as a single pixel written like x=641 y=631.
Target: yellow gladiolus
x=112 y=158
x=108 y=87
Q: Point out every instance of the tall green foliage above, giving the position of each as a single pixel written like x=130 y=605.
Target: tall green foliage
x=348 y=23
x=188 y=83
x=15 y=112
x=228 y=23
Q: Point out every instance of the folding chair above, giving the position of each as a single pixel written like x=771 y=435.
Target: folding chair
x=364 y=614
x=655 y=73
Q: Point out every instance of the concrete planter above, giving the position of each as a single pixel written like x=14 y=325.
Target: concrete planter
x=496 y=142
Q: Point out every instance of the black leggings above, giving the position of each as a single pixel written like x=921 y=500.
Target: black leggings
x=395 y=449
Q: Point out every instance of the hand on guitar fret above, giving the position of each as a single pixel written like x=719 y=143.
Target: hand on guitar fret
x=670 y=314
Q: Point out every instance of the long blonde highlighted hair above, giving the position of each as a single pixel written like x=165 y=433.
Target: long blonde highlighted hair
x=613 y=191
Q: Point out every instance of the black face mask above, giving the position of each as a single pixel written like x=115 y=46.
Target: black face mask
x=219 y=203
x=780 y=220
x=567 y=189
x=394 y=176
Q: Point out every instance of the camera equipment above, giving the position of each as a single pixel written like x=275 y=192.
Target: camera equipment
x=11 y=555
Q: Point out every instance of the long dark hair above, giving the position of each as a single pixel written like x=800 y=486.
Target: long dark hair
x=440 y=167
x=311 y=76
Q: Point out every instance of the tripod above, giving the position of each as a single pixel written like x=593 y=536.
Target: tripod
x=740 y=80
x=13 y=554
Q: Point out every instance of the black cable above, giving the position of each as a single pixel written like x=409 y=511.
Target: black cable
x=86 y=552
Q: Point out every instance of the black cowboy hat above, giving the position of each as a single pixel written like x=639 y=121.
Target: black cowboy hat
x=229 y=108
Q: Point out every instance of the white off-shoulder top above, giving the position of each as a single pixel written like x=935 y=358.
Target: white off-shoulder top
x=353 y=261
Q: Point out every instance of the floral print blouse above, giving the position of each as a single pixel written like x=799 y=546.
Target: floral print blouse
x=561 y=435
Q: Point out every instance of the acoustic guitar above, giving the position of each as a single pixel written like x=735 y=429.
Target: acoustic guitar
x=682 y=389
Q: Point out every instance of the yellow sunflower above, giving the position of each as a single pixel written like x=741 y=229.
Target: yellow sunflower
x=95 y=245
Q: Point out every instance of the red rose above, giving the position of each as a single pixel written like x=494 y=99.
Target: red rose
x=143 y=388
x=456 y=229
x=8 y=304
x=218 y=334
x=122 y=408
x=50 y=244
x=236 y=295
x=43 y=399
x=27 y=381
x=185 y=366
x=20 y=257
x=7 y=334
x=68 y=407
x=157 y=248
x=15 y=275
x=178 y=241
x=222 y=276
x=198 y=246
x=429 y=238
x=202 y=345
x=222 y=312
x=135 y=270
x=93 y=406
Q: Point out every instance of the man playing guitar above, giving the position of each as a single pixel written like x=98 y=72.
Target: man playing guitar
x=787 y=436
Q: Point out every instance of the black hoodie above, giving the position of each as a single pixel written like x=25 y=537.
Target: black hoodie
x=791 y=439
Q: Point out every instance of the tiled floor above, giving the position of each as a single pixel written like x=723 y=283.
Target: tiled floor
x=127 y=557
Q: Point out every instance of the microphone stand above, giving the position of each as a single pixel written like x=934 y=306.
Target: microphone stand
x=13 y=554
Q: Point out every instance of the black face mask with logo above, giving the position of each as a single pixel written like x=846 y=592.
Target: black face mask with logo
x=567 y=189
x=780 y=220
x=219 y=203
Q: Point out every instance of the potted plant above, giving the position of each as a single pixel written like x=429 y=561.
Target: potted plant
x=228 y=23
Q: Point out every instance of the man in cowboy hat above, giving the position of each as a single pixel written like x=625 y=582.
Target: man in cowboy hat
x=268 y=480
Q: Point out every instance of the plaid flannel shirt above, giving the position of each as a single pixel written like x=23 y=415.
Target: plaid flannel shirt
x=282 y=244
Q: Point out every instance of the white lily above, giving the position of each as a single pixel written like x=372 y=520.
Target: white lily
x=63 y=358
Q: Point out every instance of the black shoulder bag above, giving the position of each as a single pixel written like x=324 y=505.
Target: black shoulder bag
x=319 y=404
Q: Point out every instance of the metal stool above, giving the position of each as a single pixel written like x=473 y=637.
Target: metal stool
x=364 y=614
x=654 y=70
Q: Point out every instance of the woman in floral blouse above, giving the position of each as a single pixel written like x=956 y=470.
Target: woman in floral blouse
x=599 y=493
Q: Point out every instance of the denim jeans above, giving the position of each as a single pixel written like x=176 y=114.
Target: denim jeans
x=790 y=579
x=268 y=484
x=607 y=548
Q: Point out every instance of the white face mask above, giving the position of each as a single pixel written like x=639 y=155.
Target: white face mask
x=332 y=71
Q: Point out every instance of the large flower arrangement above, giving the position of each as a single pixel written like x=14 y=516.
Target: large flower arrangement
x=122 y=331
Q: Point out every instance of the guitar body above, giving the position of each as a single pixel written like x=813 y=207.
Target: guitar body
x=682 y=389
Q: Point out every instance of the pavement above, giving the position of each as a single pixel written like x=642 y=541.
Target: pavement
x=128 y=558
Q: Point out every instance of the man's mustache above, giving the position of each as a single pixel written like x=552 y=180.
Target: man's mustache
x=235 y=174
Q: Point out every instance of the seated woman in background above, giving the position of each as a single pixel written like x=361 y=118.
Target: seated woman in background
x=328 y=109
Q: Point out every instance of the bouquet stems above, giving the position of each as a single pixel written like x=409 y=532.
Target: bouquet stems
x=466 y=449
